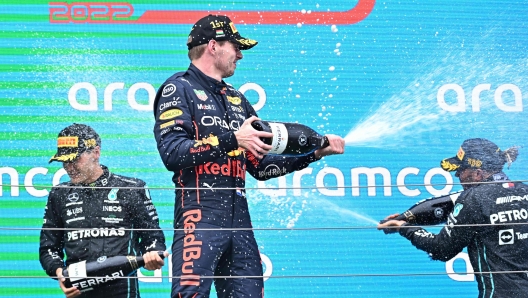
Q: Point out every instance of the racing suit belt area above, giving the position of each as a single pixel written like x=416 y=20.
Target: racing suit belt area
x=96 y=220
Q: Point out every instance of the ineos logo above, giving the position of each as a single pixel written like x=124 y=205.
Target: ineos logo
x=112 y=208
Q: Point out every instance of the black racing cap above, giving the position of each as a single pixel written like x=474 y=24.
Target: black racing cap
x=73 y=141
x=219 y=28
x=475 y=153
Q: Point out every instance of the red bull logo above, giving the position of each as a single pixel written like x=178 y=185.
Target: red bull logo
x=237 y=152
x=192 y=248
x=234 y=100
x=200 y=149
x=210 y=140
x=233 y=168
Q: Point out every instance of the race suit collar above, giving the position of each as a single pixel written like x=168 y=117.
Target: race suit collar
x=500 y=176
x=209 y=83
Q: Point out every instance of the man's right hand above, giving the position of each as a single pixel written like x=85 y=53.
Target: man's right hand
x=249 y=138
x=69 y=292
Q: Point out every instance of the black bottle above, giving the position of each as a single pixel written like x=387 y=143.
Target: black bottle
x=427 y=212
x=291 y=138
x=86 y=275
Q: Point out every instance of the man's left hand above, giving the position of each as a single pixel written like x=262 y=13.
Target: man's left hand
x=337 y=146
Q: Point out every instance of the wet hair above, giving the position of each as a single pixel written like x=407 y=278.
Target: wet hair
x=510 y=155
x=507 y=156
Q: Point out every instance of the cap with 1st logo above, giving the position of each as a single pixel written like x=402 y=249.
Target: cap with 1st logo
x=219 y=28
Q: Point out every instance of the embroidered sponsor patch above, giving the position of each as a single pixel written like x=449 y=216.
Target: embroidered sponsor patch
x=234 y=100
x=68 y=142
x=168 y=90
x=200 y=94
x=170 y=114
x=167 y=124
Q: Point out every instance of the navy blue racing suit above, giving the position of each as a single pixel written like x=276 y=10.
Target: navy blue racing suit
x=196 y=117
x=487 y=219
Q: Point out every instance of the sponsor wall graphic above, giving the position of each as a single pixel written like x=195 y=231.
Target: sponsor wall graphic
x=404 y=83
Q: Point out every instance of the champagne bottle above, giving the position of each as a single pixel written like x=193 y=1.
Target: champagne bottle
x=291 y=138
x=86 y=275
x=431 y=211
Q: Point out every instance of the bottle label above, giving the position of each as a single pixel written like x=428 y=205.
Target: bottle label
x=280 y=137
x=454 y=196
x=77 y=271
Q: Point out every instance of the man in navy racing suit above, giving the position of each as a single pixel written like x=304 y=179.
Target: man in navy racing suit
x=91 y=217
x=204 y=135
x=489 y=218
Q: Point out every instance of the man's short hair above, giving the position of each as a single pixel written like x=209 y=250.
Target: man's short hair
x=198 y=51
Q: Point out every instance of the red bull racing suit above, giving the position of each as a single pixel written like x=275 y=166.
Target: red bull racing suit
x=487 y=219
x=96 y=220
x=196 y=117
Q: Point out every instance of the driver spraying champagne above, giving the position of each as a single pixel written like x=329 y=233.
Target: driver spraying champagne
x=205 y=136
x=430 y=211
x=487 y=218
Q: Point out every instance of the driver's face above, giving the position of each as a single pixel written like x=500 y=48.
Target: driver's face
x=468 y=175
x=227 y=56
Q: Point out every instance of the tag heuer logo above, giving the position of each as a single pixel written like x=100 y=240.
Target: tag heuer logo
x=200 y=94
